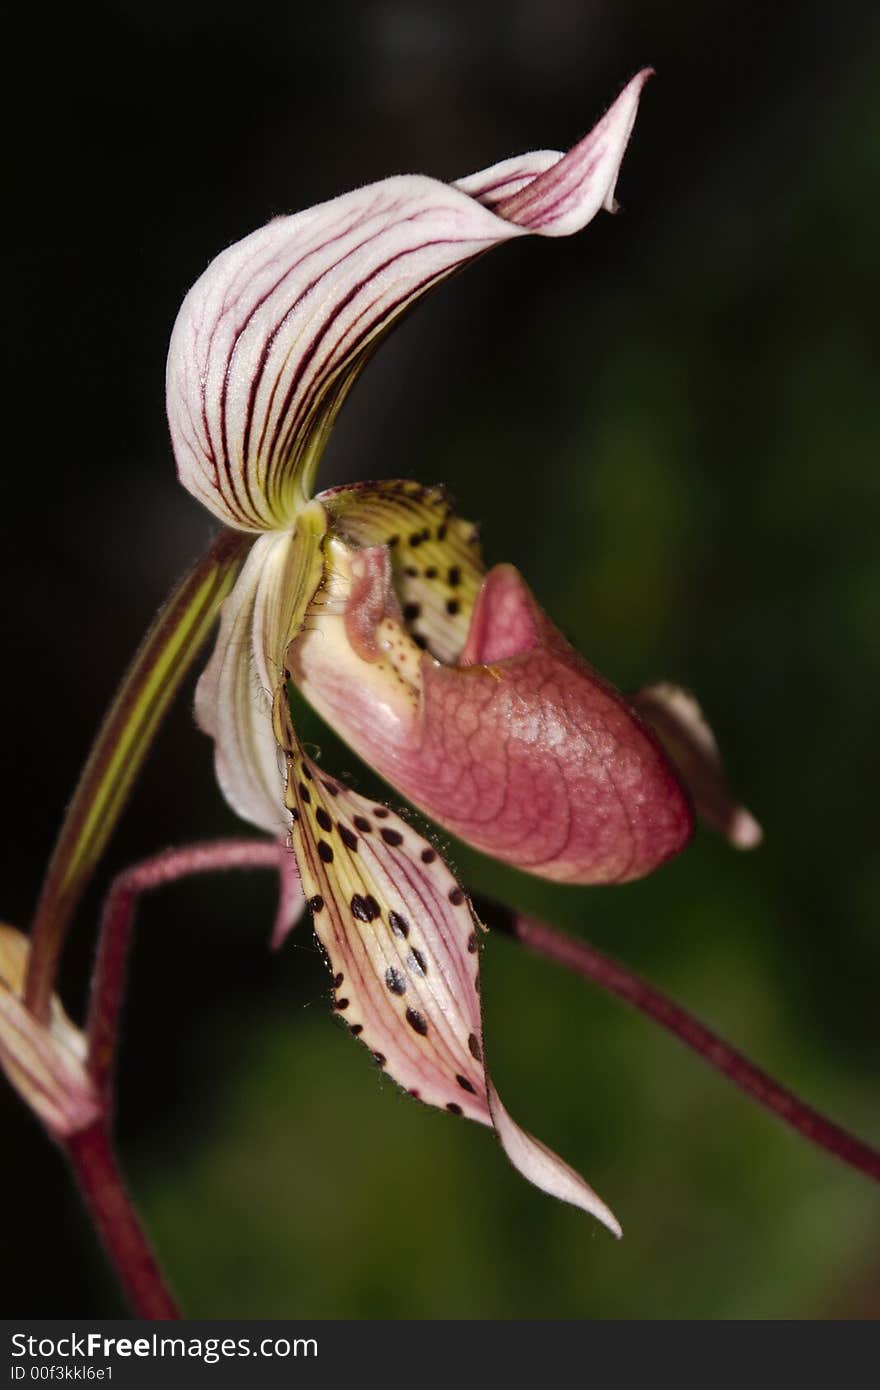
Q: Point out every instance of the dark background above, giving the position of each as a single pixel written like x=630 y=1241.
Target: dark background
x=670 y=423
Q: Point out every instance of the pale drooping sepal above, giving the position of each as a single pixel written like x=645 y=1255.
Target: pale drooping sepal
x=44 y=1062
x=235 y=694
x=682 y=729
x=403 y=947
x=270 y=339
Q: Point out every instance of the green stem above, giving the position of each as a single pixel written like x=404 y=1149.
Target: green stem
x=123 y=740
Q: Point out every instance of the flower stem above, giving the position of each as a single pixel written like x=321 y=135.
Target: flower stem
x=122 y=742
x=90 y=1151
x=117 y=921
x=602 y=970
x=103 y=1191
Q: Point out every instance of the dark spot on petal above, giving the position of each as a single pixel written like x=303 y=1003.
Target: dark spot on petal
x=364 y=909
x=456 y=896
x=391 y=837
x=316 y=903
x=411 y=611
x=417 y=961
x=466 y=1085
x=380 y=1058
x=332 y=788
x=411 y=572
x=348 y=837
x=474 y=1048
x=431 y=572
x=337 y=980
x=363 y=824
x=323 y=819
x=428 y=856
x=395 y=980
x=381 y=812
x=416 y=1021
x=477 y=982
x=416 y=1095
x=454 y=577
x=356 y=1029
x=452 y=607
x=472 y=942
x=305 y=793
x=453 y=1108
x=325 y=851
x=398 y=924
x=307 y=773
x=415 y=538
x=392 y=540
x=420 y=641
x=341 y=1004
x=294 y=813
x=441 y=533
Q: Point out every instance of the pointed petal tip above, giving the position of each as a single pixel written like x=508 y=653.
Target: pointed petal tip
x=744 y=832
x=545 y=1169
x=628 y=103
x=678 y=721
x=568 y=195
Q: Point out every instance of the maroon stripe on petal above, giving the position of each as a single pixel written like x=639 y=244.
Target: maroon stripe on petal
x=264 y=350
x=282 y=446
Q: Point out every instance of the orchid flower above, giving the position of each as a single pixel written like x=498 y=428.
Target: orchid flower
x=373 y=601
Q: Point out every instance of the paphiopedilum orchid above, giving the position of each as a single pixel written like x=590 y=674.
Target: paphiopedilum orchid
x=374 y=602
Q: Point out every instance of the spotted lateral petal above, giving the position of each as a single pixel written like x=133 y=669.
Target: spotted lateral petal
x=436 y=565
x=270 y=339
x=403 y=946
x=45 y=1064
x=682 y=729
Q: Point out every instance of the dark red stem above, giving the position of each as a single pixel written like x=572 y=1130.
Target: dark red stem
x=602 y=970
x=90 y=1151
x=117 y=921
x=103 y=1191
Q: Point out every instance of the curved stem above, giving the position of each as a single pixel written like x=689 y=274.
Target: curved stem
x=90 y=1151
x=117 y=921
x=130 y=725
x=602 y=970
x=103 y=1191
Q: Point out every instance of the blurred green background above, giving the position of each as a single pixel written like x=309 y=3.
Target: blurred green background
x=671 y=424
